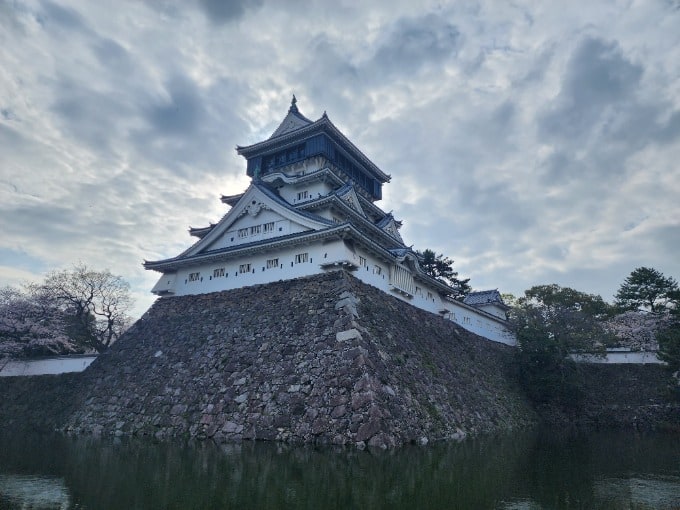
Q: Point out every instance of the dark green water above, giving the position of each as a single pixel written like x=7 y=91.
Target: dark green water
x=524 y=471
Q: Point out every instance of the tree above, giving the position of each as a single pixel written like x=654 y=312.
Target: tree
x=636 y=329
x=552 y=322
x=645 y=288
x=31 y=326
x=441 y=268
x=95 y=304
x=553 y=297
x=669 y=340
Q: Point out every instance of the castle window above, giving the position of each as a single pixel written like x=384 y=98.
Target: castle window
x=272 y=263
x=430 y=296
x=244 y=268
x=255 y=229
x=377 y=270
x=419 y=291
x=194 y=277
x=268 y=227
x=362 y=261
x=301 y=257
x=218 y=272
x=302 y=195
x=243 y=232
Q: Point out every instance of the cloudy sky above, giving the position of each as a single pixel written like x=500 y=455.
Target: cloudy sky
x=532 y=142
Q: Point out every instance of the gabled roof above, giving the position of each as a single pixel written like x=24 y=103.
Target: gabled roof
x=347 y=194
x=358 y=217
x=293 y=121
x=485 y=297
x=296 y=127
x=391 y=226
x=257 y=197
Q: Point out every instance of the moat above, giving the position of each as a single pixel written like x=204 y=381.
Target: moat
x=532 y=470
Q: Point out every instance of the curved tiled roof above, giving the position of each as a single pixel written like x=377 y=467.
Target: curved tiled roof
x=293 y=121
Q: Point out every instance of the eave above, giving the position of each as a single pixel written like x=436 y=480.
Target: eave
x=231 y=200
x=201 y=232
x=323 y=125
x=344 y=230
x=367 y=226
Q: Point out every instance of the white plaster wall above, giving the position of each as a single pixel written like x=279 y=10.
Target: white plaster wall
x=478 y=323
x=429 y=299
x=281 y=227
x=58 y=365
x=620 y=357
x=327 y=252
x=494 y=310
x=315 y=189
x=288 y=268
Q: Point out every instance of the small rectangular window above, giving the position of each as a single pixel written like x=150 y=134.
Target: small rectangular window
x=430 y=296
x=243 y=232
x=218 y=272
x=244 y=268
x=362 y=261
x=301 y=257
x=272 y=263
x=377 y=270
x=254 y=230
x=268 y=227
x=194 y=277
x=302 y=195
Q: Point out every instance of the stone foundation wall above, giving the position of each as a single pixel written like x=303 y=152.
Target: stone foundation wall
x=324 y=359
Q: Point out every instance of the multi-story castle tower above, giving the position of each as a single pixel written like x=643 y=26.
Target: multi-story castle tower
x=310 y=208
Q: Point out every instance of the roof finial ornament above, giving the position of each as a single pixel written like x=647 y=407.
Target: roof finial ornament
x=293 y=105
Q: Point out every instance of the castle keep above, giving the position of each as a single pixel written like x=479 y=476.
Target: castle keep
x=311 y=208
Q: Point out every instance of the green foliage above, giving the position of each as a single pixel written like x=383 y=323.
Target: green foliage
x=441 y=268
x=553 y=297
x=646 y=288
x=669 y=346
x=551 y=322
x=669 y=340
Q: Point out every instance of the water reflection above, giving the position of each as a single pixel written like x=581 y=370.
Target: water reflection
x=42 y=492
x=524 y=471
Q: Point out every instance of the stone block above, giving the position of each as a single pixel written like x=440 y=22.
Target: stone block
x=350 y=334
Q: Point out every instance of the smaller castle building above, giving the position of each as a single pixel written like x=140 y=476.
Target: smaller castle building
x=310 y=208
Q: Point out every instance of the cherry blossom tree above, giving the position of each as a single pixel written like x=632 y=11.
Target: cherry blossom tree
x=73 y=310
x=637 y=329
x=31 y=326
x=95 y=304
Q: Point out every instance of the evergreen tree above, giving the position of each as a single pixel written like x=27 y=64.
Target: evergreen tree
x=645 y=288
x=441 y=268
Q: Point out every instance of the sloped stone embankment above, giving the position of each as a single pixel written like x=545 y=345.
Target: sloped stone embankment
x=325 y=359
